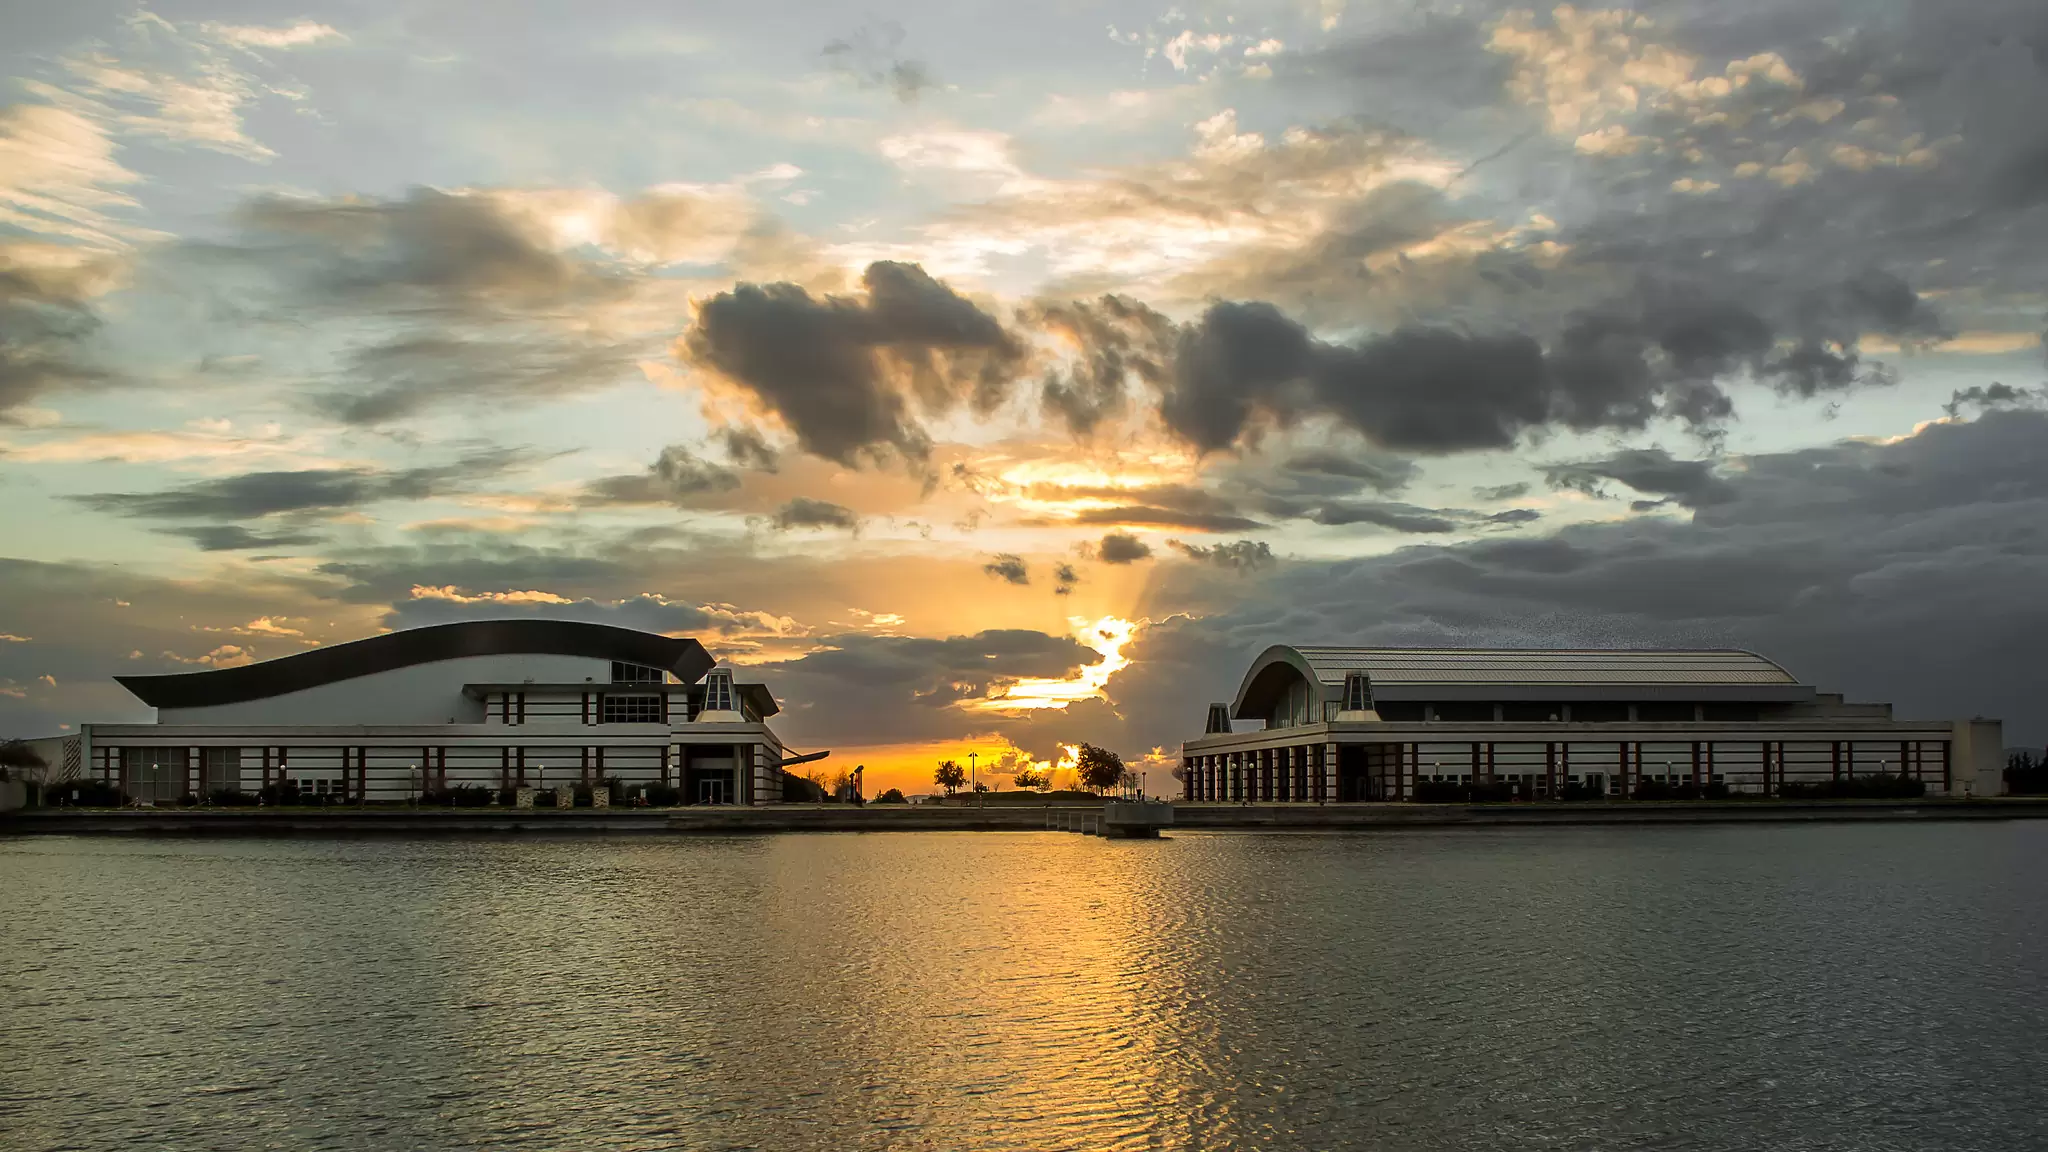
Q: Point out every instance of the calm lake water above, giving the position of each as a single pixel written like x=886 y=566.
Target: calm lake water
x=1841 y=987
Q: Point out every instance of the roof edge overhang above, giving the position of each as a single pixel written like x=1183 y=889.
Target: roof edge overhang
x=1566 y=693
x=683 y=656
x=1285 y=655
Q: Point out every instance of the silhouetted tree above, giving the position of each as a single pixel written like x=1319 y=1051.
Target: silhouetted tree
x=892 y=796
x=1099 y=768
x=950 y=776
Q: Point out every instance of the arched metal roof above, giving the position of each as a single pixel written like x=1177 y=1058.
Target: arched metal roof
x=683 y=656
x=1532 y=673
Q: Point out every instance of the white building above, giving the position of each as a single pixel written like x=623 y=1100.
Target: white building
x=495 y=703
x=1344 y=724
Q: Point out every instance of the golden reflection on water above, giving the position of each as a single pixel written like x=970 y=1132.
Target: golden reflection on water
x=1538 y=989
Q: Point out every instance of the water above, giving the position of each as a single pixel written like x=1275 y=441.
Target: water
x=1850 y=987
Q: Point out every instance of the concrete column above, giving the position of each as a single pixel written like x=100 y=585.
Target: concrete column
x=1330 y=772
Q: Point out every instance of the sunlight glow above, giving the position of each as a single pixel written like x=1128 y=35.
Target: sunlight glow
x=1107 y=636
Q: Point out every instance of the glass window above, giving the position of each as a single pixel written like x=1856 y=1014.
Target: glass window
x=718 y=694
x=223 y=769
x=625 y=673
x=632 y=710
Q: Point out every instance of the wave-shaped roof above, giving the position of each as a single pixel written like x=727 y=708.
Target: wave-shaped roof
x=681 y=655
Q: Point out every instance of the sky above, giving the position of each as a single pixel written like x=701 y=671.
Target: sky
x=991 y=378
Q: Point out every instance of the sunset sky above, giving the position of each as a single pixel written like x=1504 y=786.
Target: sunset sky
x=993 y=377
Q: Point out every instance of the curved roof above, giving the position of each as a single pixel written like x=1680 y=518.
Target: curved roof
x=684 y=657
x=1450 y=673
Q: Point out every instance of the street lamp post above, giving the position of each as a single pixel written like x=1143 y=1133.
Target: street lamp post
x=974 y=778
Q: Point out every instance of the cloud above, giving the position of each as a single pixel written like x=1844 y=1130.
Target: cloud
x=1122 y=548
x=1396 y=517
x=1245 y=367
x=47 y=320
x=847 y=375
x=318 y=490
x=1116 y=341
x=865 y=688
x=872 y=56
x=1009 y=568
x=236 y=538
x=288 y=36
x=1243 y=555
x=1513 y=491
x=1987 y=396
x=1833 y=560
x=747 y=448
x=804 y=512
x=1147 y=516
x=1692 y=483
x=678 y=476
x=58 y=177
x=1064 y=579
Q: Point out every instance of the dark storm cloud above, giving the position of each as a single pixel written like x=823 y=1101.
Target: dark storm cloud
x=1693 y=483
x=1907 y=572
x=1502 y=491
x=1244 y=366
x=1008 y=568
x=1122 y=548
x=235 y=538
x=1118 y=340
x=1064 y=578
x=1241 y=555
x=319 y=490
x=804 y=512
x=845 y=373
x=1515 y=516
x=678 y=476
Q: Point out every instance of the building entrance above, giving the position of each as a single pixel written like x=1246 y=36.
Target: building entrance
x=714 y=792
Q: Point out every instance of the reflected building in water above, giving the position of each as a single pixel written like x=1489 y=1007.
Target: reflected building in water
x=1317 y=724
x=494 y=703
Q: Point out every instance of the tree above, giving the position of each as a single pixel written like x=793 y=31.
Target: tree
x=1099 y=768
x=950 y=776
x=1031 y=778
x=892 y=796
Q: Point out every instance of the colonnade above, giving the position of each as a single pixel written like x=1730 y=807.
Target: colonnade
x=1323 y=772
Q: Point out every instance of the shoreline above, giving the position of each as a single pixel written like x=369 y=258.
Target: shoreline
x=1003 y=818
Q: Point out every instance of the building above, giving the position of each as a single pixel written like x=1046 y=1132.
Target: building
x=496 y=703
x=1349 y=724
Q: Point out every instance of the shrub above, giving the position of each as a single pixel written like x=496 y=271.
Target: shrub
x=798 y=790
x=285 y=792
x=92 y=794
x=231 y=798
x=1575 y=792
x=1647 y=789
x=544 y=797
x=1873 y=787
x=892 y=796
x=1441 y=792
x=661 y=795
x=2025 y=775
x=1716 y=790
